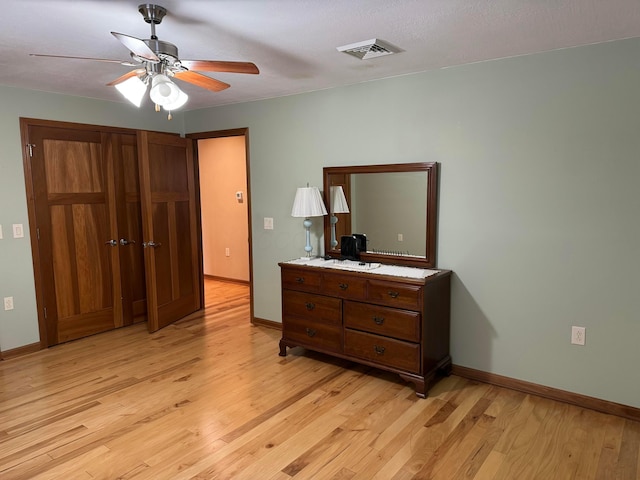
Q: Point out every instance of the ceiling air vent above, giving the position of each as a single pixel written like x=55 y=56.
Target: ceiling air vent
x=369 y=49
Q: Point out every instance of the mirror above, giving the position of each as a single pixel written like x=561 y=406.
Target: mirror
x=395 y=206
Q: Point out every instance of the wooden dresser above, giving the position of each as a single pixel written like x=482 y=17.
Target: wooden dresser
x=393 y=322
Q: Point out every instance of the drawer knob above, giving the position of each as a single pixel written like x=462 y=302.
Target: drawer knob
x=310 y=331
x=393 y=294
x=378 y=320
x=379 y=349
x=310 y=306
x=300 y=279
x=343 y=286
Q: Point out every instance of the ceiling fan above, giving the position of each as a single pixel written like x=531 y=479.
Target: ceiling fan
x=158 y=63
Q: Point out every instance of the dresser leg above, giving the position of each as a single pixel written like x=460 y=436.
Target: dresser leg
x=419 y=384
x=283 y=349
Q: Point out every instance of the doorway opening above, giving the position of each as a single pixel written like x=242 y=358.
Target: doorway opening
x=225 y=208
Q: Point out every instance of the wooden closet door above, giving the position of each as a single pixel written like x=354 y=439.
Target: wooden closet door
x=167 y=183
x=75 y=218
x=127 y=187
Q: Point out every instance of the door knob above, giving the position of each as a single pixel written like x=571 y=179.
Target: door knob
x=124 y=241
x=151 y=244
x=113 y=243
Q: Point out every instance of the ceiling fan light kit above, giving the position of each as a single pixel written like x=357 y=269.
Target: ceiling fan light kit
x=133 y=89
x=157 y=63
x=163 y=91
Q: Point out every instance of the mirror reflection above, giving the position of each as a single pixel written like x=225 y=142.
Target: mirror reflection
x=394 y=206
x=391 y=210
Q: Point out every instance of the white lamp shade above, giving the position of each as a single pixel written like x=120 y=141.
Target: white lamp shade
x=308 y=203
x=163 y=91
x=180 y=101
x=338 y=200
x=133 y=89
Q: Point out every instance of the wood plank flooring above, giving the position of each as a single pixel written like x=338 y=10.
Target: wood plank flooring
x=209 y=398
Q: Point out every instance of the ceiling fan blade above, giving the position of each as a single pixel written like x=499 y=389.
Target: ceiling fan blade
x=201 y=80
x=137 y=46
x=107 y=60
x=126 y=76
x=220 y=66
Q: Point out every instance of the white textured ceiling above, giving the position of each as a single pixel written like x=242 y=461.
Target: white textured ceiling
x=293 y=42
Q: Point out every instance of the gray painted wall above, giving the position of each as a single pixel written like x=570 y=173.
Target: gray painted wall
x=538 y=209
x=539 y=203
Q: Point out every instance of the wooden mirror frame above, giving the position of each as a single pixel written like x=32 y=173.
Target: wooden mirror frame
x=336 y=176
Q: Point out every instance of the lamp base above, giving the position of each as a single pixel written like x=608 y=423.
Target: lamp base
x=334 y=240
x=307 y=225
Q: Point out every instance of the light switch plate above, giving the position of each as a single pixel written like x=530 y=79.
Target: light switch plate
x=578 y=335
x=8 y=303
x=268 y=223
x=1 y=237
x=18 y=230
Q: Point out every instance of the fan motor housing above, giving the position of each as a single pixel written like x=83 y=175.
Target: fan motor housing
x=163 y=49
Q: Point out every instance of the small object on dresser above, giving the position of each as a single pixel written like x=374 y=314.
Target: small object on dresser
x=349 y=247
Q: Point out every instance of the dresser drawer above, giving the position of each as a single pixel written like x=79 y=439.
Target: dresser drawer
x=386 y=351
x=313 y=334
x=306 y=280
x=318 y=308
x=395 y=294
x=344 y=286
x=390 y=322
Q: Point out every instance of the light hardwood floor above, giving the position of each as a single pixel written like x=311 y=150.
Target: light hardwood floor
x=209 y=397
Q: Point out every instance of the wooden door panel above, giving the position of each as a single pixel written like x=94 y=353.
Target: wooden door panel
x=174 y=269
x=162 y=254
x=73 y=167
x=81 y=260
x=62 y=253
x=74 y=219
x=129 y=165
x=130 y=229
x=133 y=256
x=167 y=182
x=78 y=326
x=184 y=253
x=170 y=171
x=175 y=310
x=93 y=257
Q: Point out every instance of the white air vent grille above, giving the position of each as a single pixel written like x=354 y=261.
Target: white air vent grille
x=368 y=49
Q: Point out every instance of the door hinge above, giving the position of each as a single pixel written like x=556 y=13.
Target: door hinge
x=38 y=233
x=45 y=312
x=31 y=146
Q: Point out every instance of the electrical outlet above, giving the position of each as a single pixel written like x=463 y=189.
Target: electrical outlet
x=268 y=223
x=578 y=335
x=227 y=252
x=8 y=303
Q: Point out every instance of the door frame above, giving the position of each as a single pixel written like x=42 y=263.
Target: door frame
x=235 y=132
